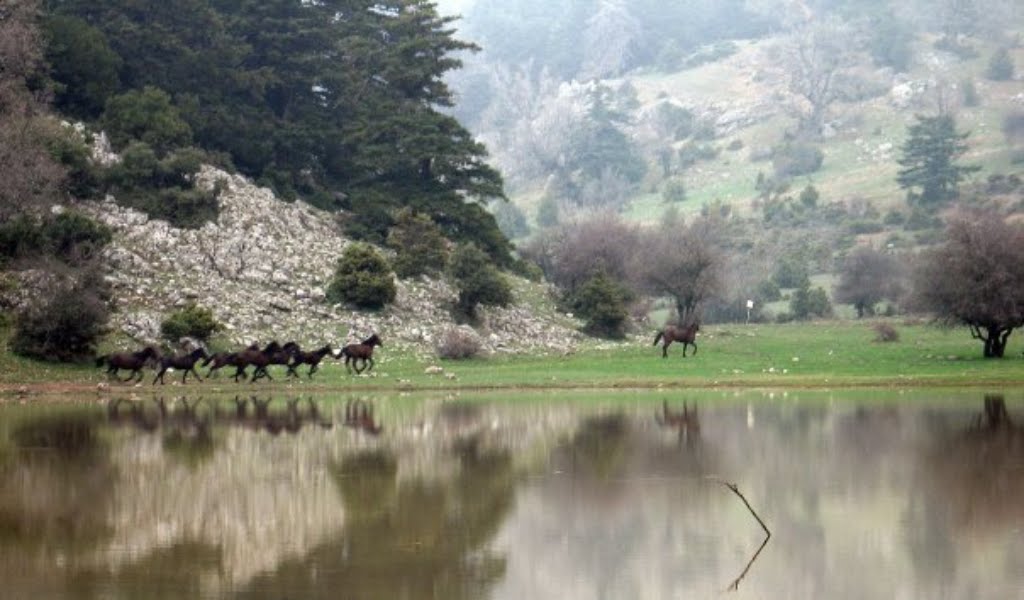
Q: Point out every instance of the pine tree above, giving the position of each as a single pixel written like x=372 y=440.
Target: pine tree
x=929 y=160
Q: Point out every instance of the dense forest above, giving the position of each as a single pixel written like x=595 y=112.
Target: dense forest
x=333 y=102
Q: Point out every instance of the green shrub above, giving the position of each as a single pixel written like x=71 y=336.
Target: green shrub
x=148 y=116
x=362 y=277
x=69 y=236
x=477 y=280
x=806 y=303
x=1000 y=66
x=66 y=322
x=164 y=188
x=190 y=321
x=793 y=159
x=673 y=190
x=419 y=245
x=601 y=302
x=791 y=273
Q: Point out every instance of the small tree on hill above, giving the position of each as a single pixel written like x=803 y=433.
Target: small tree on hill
x=867 y=277
x=363 y=278
x=602 y=301
x=685 y=263
x=477 y=280
x=976 y=278
x=929 y=160
x=1000 y=66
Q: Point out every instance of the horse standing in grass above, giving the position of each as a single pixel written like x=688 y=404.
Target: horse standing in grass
x=362 y=351
x=671 y=333
x=132 y=361
x=186 y=362
x=308 y=358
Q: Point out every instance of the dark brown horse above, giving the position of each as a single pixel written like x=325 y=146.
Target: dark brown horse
x=132 y=361
x=671 y=333
x=308 y=358
x=224 y=359
x=362 y=351
x=273 y=354
x=185 y=362
x=257 y=358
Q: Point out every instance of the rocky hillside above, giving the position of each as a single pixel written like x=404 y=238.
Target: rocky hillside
x=263 y=268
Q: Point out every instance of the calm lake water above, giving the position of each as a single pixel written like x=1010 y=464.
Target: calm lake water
x=868 y=494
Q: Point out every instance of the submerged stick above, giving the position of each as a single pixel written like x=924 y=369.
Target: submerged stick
x=735 y=585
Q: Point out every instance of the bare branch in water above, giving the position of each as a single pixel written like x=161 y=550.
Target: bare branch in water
x=767 y=533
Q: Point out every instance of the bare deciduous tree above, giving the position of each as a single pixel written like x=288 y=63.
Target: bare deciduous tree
x=684 y=262
x=976 y=278
x=571 y=254
x=818 y=52
x=31 y=179
x=867 y=277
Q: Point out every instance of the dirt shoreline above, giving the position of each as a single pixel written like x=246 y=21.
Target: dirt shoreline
x=90 y=391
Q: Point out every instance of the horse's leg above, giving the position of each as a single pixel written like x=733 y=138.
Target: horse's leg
x=370 y=360
x=664 y=348
x=160 y=376
x=240 y=372
x=694 y=344
x=312 y=369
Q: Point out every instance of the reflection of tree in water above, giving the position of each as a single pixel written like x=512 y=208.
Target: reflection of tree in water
x=969 y=490
x=406 y=539
x=175 y=571
x=54 y=495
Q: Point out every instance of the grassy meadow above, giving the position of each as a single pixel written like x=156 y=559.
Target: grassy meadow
x=826 y=354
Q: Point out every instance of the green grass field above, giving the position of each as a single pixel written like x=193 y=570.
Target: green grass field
x=829 y=354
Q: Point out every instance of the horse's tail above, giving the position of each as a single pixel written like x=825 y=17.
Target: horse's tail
x=657 y=338
x=100 y=360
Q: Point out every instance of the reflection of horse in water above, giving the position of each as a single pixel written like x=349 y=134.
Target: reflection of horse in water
x=686 y=422
x=359 y=415
x=671 y=333
x=181 y=416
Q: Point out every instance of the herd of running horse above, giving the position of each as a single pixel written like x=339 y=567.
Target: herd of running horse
x=358 y=357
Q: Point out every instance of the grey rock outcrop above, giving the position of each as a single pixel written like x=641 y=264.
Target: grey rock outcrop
x=263 y=268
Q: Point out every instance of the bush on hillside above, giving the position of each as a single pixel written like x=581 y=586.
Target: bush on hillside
x=164 y=188
x=458 y=344
x=602 y=302
x=67 y=321
x=69 y=236
x=1000 y=66
x=190 y=321
x=477 y=280
x=793 y=159
x=362 y=277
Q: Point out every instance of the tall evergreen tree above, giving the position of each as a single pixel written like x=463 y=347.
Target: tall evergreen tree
x=929 y=160
x=335 y=101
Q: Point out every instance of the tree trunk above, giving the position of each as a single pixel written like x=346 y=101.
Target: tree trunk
x=994 y=338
